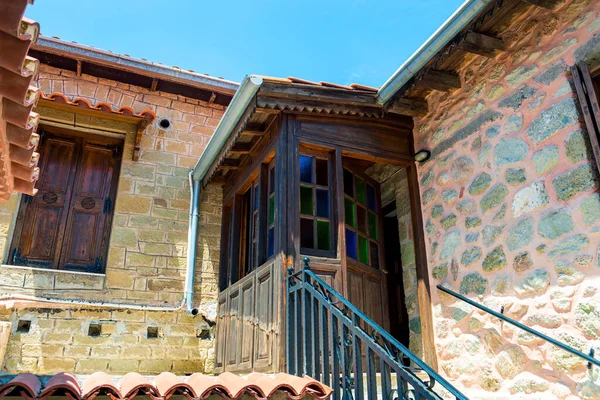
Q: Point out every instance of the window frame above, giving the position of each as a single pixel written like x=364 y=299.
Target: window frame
x=329 y=157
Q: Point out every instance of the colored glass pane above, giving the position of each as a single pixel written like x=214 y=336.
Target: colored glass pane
x=350 y=244
x=348 y=183
x=306 y=200
x=272 y=210
x=350 y=213
x=323 y=235
x=361 y=219
x=373 y=231
x=272 y=181
x=360 y=191
x=371 y=202
x=306 y=169
x=363 y=250
x=307 y=234
x=271 y=242
x=322 y=203
x=374 y=255
x=322 y=170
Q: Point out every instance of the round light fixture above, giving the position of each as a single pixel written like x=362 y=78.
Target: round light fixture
x=422 y=155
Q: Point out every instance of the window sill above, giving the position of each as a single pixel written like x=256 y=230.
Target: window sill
x=15 y=277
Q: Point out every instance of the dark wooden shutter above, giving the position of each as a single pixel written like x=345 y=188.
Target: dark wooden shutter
x=588 y=100
x=86 y=229
x=38 y=239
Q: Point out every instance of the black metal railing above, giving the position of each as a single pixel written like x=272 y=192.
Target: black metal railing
x=590 y=358
x=332 y=341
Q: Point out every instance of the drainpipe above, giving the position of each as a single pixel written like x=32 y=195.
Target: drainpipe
x=436 y=42
x=192 y=245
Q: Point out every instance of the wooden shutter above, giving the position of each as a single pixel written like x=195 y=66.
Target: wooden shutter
x=588 y=100
x=38 y=239
x=86 y=232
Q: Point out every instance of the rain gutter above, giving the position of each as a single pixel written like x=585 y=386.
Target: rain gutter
x=436 y=42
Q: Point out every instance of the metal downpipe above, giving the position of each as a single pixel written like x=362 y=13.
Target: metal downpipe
x=192 y=246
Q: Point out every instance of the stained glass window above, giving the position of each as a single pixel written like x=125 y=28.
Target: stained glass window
x=361 y=219
x=315 y=203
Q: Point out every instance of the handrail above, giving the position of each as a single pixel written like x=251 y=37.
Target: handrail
x=328 y=337
x=591 y=360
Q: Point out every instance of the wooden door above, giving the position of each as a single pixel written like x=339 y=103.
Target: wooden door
x=66 y=225
x=366 y=274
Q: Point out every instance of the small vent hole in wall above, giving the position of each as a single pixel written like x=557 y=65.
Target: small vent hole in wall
x=23 y=326
x=94 y=330
x=152 y=332
x=164 y=123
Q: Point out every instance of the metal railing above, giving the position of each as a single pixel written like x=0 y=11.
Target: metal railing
x=590 y=358
x=332 y=341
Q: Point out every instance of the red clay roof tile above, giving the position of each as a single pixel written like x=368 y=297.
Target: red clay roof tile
x=100 y=106
x=17 y=98
x=291 y=79
x=163 y=386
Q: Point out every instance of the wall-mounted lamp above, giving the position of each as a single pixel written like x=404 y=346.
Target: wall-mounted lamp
x=422 y=155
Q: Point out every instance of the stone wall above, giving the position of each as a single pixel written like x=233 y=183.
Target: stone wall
x=147 y=256
x=512 y=212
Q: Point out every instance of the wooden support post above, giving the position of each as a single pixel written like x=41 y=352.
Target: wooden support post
x=154 y=85
x=409 y=106
x=79 y=66
x=443 y=81
x=213 y=96
x=482 y=45
x=548 y=4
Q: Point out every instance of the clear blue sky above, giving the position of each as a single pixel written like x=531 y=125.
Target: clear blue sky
x=341 y=41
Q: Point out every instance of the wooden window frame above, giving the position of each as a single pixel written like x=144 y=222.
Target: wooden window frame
x=367 y=181
x=328 y=156
x=586 y=86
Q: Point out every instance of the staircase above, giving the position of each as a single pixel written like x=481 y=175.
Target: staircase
x=332 y=341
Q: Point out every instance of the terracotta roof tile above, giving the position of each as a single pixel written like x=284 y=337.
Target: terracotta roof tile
x=291 y=79
x=17 y=98
x=100 y=106
x=163 y=386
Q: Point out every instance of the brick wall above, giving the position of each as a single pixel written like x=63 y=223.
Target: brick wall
x=147 y=256
x=512 y=212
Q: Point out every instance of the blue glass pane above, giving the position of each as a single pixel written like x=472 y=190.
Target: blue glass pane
x=350 y=244
x=306 y=169
x=271 y=242
x=371 y=202
x=322 y=203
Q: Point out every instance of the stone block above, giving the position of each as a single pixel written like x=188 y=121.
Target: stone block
x=78 y=281
x=154 y=366
x=124 y=237
x=54 y=365
x=119 y=278
x=133 y=204
x=91 y=365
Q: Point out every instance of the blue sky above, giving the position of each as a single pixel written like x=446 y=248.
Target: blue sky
x=341 y=41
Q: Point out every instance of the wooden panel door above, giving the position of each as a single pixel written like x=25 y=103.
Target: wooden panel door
x=67 y=224
x=86 y=233
x=42 y=218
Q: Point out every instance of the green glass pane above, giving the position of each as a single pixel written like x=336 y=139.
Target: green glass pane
x=306 y=200
x=323 y=235
x=360 y=191
x=363 y=250
x=272 y=210
x=350 y=213
x=373 y=231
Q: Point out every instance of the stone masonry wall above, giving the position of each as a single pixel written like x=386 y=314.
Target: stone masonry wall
x=147 y=255
x=512 y=212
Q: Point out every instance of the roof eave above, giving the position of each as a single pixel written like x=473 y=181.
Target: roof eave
x=436 y=42
x=240 y=102
x=140 y=66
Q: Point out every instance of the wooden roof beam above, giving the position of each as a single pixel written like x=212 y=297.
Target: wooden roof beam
x=548 y=4
x=409 y=106
x=443 y=81
x=242 y=148
x=229 y=163
x=482 y=45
